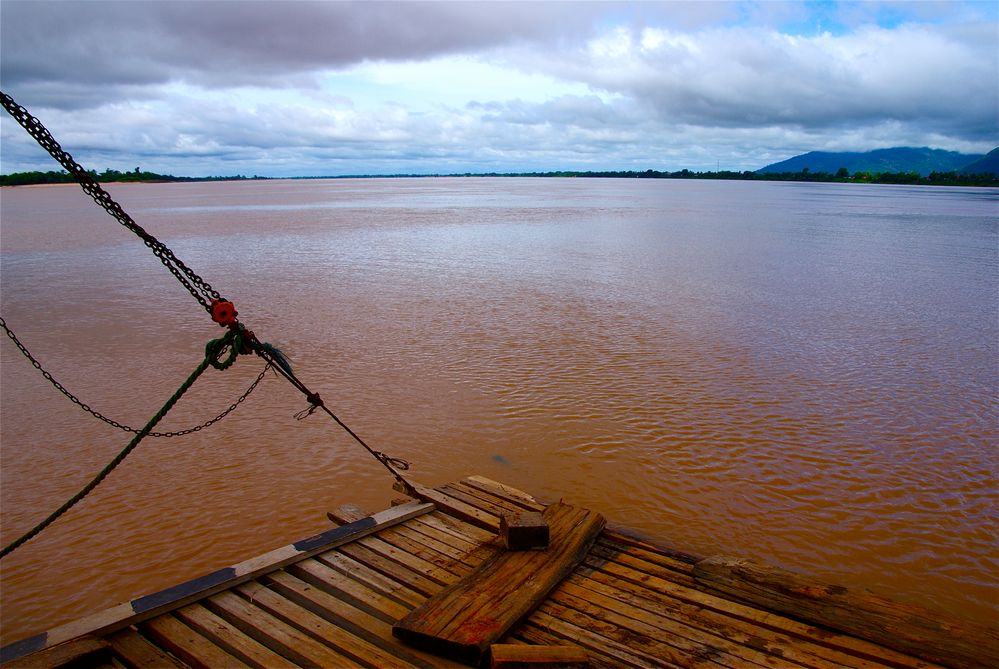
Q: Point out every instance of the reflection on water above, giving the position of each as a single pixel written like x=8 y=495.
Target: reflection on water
x=801 y=373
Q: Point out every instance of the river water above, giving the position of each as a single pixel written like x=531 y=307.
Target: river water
x=804 y=374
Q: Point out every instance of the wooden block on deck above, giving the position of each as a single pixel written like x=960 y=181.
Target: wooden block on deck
x=464 y=620
x=524 y=531
x=518 y=656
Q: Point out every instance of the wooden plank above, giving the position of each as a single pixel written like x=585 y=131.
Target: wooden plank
x=230 y=638
x=321 y=629
x=85 y=651
x=375 y=580
x=478 y=499
x=599 y=658
x=357 y=621
x=589 y=636
x=457 y=508
x=418 y=574
x=337 y=584
x=462 y=621
x=276 y=634
x=638 y=562
x=520 y=656
x=483 y=499
x=758 y=637
x=658 y=649
x=452 y=545
x=647 y=552
x=192 y=648
x=139 y=653
x=638 y=623
x=625 y=535
x=459 y=527
x=620 y=576
x=146 y=607
x=904 y=627
x=510 y=493
x=445 y=569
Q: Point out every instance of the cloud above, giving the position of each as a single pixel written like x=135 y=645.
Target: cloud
x=305 y=88
x=739 y=77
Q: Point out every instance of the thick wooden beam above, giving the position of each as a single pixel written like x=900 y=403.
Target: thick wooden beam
x=144 y=608
x=86 y=651
x=462 y=621
x=902 y=627
x=523 y=656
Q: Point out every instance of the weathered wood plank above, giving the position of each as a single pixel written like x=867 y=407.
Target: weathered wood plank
x=752 y=635
x=638 y=623
x=646 y=552
x=446 y=566
x=340 y=585
x=143 y=608
x=192 y=648
x=459 y=527
x=277 y=635
x=904 y=627
x=466 y=618
x=483 y=499
x=476 y=498
x=139 y=653
x=521 y=656
x=622 y=577
x=457 y=508
x=519 y=497
x=85 y=651
x=590 y=635
x=599 y=657
x=638 y=562
x=230 y=638
x=457 y=547
x=321 y=629
x=417 y=574
x=375 y=580
x=663 y=648
x=625 y=535
x=357 y=621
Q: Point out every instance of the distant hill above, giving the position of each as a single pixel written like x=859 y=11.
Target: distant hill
x=988 y=164
x=902 y=159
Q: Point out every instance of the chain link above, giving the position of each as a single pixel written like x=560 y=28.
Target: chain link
x=198 y=287
x=110 y=421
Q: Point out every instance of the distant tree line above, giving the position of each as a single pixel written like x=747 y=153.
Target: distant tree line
x=841 y=176
x=108 y=175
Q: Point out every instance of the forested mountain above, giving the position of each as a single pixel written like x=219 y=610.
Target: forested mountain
x=924 y=161
x=989 y=163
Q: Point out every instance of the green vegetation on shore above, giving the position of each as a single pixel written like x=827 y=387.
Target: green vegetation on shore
x=841 y=176
x=64 y=177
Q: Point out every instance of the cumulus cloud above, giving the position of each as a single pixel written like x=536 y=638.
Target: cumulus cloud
x=304 y=88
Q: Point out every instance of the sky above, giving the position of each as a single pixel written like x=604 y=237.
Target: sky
x=289 y=88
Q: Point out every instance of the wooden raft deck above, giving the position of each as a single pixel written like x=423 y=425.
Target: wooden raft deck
x=331 y=601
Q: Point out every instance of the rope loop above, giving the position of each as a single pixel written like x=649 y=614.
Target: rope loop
x=234 y=340
x=398 y=463
x=315 y=402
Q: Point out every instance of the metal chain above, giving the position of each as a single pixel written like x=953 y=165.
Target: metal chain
x=198 y=287
x=110 y=421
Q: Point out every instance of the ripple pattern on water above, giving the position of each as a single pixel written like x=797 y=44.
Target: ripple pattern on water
x=801 y=373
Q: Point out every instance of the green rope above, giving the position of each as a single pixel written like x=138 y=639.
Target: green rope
x=232 y=339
